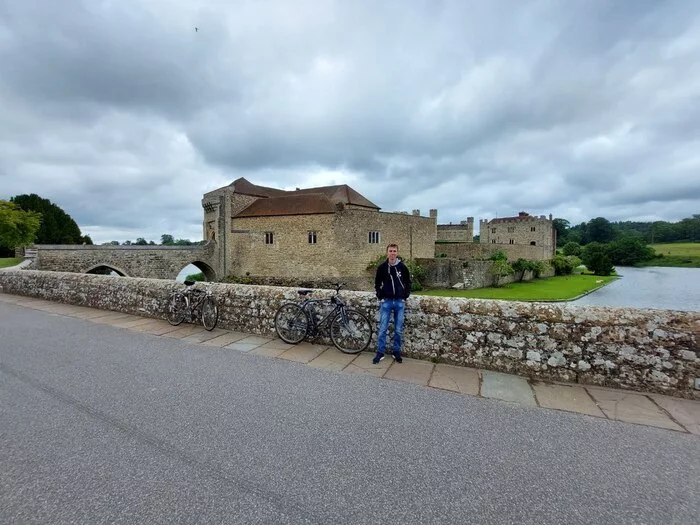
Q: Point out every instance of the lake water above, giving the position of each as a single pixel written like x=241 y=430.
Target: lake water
x=653 y=287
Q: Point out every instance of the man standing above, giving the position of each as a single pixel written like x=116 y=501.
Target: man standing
x=393 y=286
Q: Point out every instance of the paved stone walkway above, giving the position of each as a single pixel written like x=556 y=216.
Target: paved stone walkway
x=655 y=410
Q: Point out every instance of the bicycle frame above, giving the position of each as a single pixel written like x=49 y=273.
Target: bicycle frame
x=309 y=306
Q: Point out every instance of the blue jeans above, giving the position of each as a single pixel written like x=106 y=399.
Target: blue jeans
x=389 y=306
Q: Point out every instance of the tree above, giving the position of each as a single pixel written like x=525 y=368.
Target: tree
x=629 y=251
x=595 y=257
x=57 y=227
x=572 y=248
x=141 y=242
x=17 y=226
x=166 y=239
x=600 y=230
x=500 y=269
x=565 y=264
x=561 y=226
x=520 y=267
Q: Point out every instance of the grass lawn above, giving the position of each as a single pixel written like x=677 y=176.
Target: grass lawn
x=676 y=254
x=7 y=262
x=549 y=289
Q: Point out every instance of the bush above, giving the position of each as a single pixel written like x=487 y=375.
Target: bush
x=572 y=248
x=417 y=272
x=500 y=269
x=564 y=265
x=498 y=256
x=195 y=277
x=595 y=257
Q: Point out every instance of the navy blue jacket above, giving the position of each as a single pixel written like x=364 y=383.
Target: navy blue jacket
x=392 y=282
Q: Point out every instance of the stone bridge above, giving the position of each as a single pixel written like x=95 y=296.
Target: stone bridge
x=155 y=262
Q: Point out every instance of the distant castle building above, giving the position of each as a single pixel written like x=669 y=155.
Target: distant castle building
x=525 y=229
x=462 y=232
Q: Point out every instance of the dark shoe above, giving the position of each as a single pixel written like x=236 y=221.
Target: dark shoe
x=377 y=358
x=397 y=357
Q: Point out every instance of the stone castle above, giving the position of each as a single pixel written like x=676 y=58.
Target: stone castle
x=268 y=235
x=273 y=236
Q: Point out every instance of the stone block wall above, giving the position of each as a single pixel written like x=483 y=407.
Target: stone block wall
x=646 y=350
x=484 y=251
x=342 y=249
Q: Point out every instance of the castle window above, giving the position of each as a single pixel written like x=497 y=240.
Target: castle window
x=533 y=243
x=511 y=229
x=493 y=230
x=493 y=241
x=269 y=238
x=532 y=228
x=512 y=242
x=374 y=237
x=312 y=237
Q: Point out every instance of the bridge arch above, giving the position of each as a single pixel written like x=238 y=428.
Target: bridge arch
x=106 y=269
x=206 y=269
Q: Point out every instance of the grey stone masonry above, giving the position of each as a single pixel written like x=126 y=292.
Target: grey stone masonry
x=645 y=350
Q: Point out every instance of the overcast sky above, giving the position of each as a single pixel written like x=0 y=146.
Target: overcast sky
x=123 y=114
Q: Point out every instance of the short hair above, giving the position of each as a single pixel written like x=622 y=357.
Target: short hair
x=392 y=245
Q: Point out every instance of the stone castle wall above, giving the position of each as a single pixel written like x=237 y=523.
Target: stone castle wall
x=342 y=249
x=647 y=350
x=484 y=251
x=523 y=230
x=462 y=232
x=446 y=272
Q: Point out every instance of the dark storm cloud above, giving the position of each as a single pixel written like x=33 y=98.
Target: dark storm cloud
x=124 y=115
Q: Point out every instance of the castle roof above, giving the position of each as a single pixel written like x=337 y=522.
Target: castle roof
x=309 y=203
x=324 y=199
x=522 y=216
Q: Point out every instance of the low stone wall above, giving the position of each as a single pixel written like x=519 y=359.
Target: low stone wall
x=445 y=272
x=647 y=350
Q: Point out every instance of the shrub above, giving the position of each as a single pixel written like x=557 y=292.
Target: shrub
x=195 y=277
x=572 y=248
x=564 y=265
x=500 y=269
x=498 y=256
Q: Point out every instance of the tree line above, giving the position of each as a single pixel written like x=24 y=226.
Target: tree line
x=31 y=219
x=603 y=231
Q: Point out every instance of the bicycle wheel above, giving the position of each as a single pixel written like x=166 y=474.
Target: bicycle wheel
x=210 y=313
x=291 y=323
x=177 y=309
x=351 y=331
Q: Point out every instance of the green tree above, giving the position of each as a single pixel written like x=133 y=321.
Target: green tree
x=141 y=242
x=498 y=256
x=500 y=269
x=565 y=264
x=57 y=227
x=561 y=226
x=595 y=257
x=166 y=239
x=520 y=267
x=572 y=248
x=600 y=230
x=17 y=226
x=629 y=251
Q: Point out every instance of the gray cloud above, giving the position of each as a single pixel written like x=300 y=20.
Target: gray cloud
x=123 y=114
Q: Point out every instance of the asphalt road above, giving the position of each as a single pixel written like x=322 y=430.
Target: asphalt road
x=103 y=425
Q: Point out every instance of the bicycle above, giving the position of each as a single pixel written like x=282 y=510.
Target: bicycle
x=350 y=329
x=191 y=304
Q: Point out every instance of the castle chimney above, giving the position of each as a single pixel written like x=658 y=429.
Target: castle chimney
x=433 y=213
x=416 y=212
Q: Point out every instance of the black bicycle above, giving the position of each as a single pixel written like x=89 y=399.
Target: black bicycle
x=192 y=304
x=350 y=329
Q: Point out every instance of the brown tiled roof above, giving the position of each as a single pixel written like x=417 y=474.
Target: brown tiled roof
x=324 y=199
x=340 y=193
x=522 y=216
x=241 y=185
x=309 y=203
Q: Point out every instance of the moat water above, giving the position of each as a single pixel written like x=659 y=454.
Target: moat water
x=654 y=287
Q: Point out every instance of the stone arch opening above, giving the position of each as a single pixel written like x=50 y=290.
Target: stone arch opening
x=106 y=269
x=197 y=267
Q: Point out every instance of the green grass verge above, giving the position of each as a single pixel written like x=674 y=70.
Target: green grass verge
x=675 y=255
x=7 y=262
x=561 y=288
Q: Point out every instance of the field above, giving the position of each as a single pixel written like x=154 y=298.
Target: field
x=677 y=254
x=550 y=289
x=7 y=262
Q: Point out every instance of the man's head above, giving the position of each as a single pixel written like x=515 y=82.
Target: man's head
x=392 y=251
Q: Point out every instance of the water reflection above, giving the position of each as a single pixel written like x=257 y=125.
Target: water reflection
x=664 y=288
